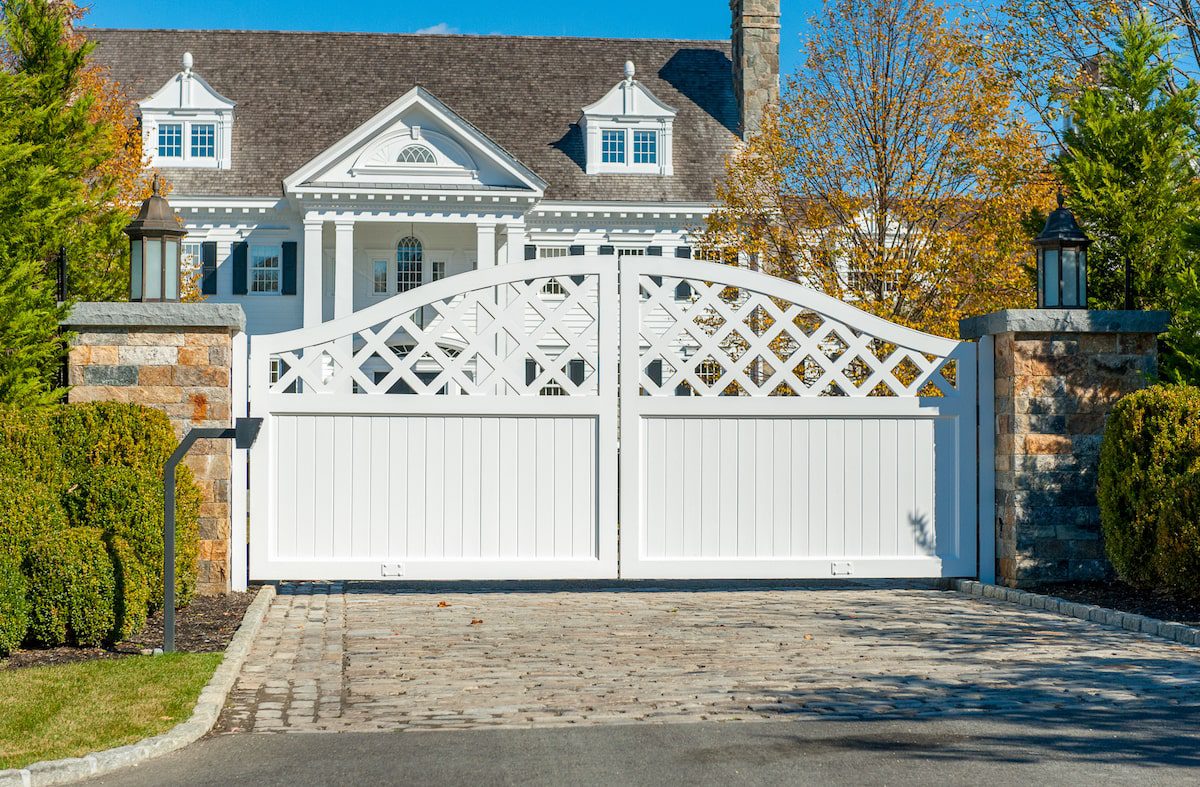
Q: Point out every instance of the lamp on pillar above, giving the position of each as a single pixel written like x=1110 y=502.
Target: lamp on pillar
x=1062 y=262
x=154 y=239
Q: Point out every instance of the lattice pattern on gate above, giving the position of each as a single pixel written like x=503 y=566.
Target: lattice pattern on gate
x=518 y=338
x=707 y=338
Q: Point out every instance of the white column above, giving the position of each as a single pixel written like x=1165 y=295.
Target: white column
x=515 y=234
x=314 y=287
x=486 y=240
x=239 y=573
x=343 y=266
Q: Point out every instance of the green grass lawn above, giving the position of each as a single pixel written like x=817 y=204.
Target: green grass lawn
x=48 y=713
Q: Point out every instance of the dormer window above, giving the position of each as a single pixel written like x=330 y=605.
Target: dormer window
x=416 y=154
x=187 y=123
x=612 y=150
x=629 y=131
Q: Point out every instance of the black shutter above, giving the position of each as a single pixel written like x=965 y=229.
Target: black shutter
x=531 y=371
x=608 y=251
x=654 y=251
x=683 y=291
x=576 y=251
x=576 y=370
x=208 y=268
x=654 y=371
x=240 y=252
x=530 y=252
x=289 y=268
x=683 y=252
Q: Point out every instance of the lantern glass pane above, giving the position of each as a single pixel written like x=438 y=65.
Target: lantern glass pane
x=1070 y=277
x=135 y=269
x=1083 y=278
x=154 y=283
x=171 y=290
x=1051 y=283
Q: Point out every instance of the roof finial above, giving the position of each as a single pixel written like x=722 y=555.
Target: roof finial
x=630 y=70
x=187 y=62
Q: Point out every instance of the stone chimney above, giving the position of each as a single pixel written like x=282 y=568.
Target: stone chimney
x=755 y=59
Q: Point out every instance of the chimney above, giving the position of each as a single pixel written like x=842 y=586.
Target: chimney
x=755 y=59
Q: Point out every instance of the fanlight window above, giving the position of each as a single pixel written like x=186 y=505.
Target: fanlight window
x=416 y=154
x=410 y=255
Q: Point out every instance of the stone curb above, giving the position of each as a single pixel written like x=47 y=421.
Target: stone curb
x=204 y=716
x=1176 y=632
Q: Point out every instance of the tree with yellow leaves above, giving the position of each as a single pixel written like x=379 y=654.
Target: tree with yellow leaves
x=895 y=173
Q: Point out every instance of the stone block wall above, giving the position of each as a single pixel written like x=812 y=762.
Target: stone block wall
x=755 y=59
x=177 y=358
x=1057 y=375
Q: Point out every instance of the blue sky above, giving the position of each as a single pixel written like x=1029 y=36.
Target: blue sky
x=605 y=18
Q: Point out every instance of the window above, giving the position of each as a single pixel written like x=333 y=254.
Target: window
x=379 y=272
x=612 y=147
x=631 y=252
x=170 y=140
x=410 y=255
x=416 y=154
x=264 y=270
x=204 y=140
x=437 y=271
x=552 y=287
x=645 y=147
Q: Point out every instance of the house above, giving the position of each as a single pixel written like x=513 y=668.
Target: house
x=319 y=173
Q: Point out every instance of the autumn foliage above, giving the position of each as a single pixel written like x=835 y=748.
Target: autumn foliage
x=895 y=174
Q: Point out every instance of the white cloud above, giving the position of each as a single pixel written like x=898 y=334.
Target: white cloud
x=440 y=29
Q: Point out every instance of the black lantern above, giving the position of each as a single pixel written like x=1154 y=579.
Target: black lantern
x=1062 y=262
x=154 y=240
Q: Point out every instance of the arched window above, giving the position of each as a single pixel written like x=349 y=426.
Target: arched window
x=410 y=255
x=416 y=154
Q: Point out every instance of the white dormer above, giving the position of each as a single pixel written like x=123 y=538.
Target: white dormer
x=629 y=131
x=187 y=123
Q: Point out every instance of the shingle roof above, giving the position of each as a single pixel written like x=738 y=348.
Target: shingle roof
x=298 y=93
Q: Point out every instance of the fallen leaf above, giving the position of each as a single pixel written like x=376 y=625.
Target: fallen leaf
x=808 y=636
x=443 y=604
x=476 y=621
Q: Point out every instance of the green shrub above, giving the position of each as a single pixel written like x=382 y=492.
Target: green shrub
x=1149 y=489
x=104 y=434
x=29 y=447
x=132 y=589
x=28 y=508
x=128 y=503
x=72 y=588
x=14 y=605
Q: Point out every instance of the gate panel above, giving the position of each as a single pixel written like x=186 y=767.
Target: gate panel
x=463 y=430
x=771 y=431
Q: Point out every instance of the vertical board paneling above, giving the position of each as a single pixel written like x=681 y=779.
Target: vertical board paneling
x=779 y=488
x=436 y=487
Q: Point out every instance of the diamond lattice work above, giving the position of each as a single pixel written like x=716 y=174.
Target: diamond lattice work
x=522 y=338
x=722 y=340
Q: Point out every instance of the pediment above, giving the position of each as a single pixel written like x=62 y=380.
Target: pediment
x=629 y=99
x=416 y=141
x=187 y=90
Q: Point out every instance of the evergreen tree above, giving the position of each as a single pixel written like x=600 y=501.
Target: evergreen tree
x=1129 y=166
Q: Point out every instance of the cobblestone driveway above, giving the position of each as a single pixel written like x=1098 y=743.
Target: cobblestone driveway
x=357 y=657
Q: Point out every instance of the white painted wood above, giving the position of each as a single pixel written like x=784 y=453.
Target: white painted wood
x=239 y=576
x=499 y=480
x=363 y=483
x=796 y=483
x=987 y=459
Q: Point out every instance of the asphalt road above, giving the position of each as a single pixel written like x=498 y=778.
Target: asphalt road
x=1159 y=751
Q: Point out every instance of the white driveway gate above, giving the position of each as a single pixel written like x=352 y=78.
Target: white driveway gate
x=468 y=429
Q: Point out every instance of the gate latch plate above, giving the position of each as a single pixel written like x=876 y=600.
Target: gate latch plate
x=842 y=569
x=393 y=569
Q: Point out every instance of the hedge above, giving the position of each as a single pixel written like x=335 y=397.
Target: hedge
x=14 y=605
x=72 y=588
x=28 y=508
x=1149 y=489
x=128 y=503
x=132 y=589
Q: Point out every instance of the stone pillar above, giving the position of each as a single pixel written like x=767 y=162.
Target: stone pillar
x=179 y=358
x=755 y=59
x=1058 y=373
